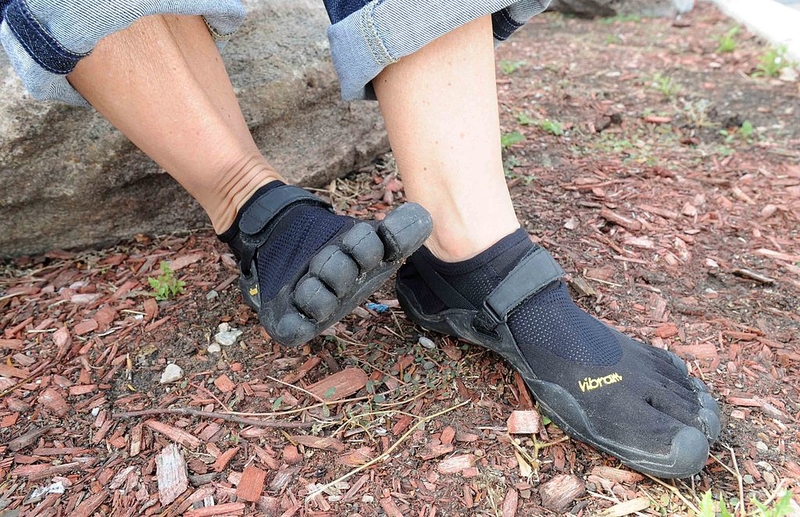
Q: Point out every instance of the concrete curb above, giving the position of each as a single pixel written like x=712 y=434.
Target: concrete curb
x=777 y=23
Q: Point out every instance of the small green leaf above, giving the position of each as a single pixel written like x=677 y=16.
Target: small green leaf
x=329 y=393
x=277 y=403
x=512 y=138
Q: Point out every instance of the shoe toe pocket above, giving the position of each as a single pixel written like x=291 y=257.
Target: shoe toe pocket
x=293 y=329
x=335 y=268
x=314 y=299
x=711 y=424
x=688 y=453
x=364 y=245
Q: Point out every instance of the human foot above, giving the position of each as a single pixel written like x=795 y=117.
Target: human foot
x=631 y=400
x=304 y=267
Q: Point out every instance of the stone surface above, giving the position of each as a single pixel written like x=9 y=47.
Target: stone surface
x=606 y=8
x=69 y=180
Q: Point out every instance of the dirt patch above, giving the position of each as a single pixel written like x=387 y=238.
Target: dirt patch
x=661 y=173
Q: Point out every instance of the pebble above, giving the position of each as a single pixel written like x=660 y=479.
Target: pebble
x=96 y=411
x=212 y=294
x=172 y=373
x=761 y=446
x=227 y=336
x=367 y=499
x=214 y=348
x=426 y=343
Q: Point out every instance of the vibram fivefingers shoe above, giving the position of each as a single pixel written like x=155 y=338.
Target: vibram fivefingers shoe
x=304 y=267
x=628 y=399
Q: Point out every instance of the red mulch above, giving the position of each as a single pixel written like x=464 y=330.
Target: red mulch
x=676 y=225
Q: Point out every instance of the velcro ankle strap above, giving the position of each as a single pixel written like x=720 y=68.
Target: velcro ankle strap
x=535 y=271
x=258 y=219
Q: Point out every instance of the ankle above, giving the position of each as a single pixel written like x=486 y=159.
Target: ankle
x=453 y=245
x=237 y=185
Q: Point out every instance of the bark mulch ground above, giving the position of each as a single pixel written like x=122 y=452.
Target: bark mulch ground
x=662 y=172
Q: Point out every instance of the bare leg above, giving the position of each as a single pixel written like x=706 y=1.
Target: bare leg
x=163 y=84
x=440 y=106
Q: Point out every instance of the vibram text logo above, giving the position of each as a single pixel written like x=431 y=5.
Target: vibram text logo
x=589 y=384
x=254 y=290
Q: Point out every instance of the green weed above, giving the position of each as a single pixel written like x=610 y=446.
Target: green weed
x=524 y=119
x=165 y=285
x=512 y=138
x=551 y=126
x=508 y=67
x=744 y=133
x=613 y=39
x=727 y=42
x=622 y=18
x=781 y=507
x=772 y=62
x=666 y=85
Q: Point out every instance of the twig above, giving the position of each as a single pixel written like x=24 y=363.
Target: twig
x=677 y=492
x=201 y=388
x=388 y=451
x=298 y=388
x=30 y=377
x=738 y=475
x=213 y=414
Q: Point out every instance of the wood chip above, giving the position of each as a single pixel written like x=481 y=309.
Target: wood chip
x=173 y=433
x=319 y=442
x=448 y=434
x=510 y=503
x=54 y=401
x=340 y=385
x=252 y=484
x=26 y=439
x=435 y=450
x=667 y=330
x=224 y=458
x=777 y=255
x=185 y=260
x=626 y=508
x=558 y=493
x=621 y=220
x=90 y=504
x=752 y=275
x=219 y=509
x=524 y=422
x=456 y=464
x=224 y=384
x=357 y=457
x=617 y=475
x=85 y=326
x=171 y=474
x=390 y=508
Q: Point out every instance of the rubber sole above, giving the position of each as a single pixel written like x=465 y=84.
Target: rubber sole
x=341 y=275
x=689 y=449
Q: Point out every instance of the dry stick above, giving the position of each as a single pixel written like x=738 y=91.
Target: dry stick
x=30 y=377
x=315 y=397
x=677 y=492
x=212 y=414
x=388 y=452
x=742 y=510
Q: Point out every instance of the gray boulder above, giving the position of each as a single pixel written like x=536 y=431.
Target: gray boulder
x=607 y=8
x=70 y=180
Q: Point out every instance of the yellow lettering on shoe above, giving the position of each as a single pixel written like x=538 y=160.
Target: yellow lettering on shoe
x=589 y=384
x=254 y=290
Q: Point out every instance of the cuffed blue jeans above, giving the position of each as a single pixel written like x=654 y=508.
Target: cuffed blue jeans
x=45 y=39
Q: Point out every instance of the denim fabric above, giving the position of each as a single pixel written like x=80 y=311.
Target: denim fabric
x=45 y=39
x=367 y=36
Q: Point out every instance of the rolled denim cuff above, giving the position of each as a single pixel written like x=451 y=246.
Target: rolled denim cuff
x=383 y=31
x=45 y=39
